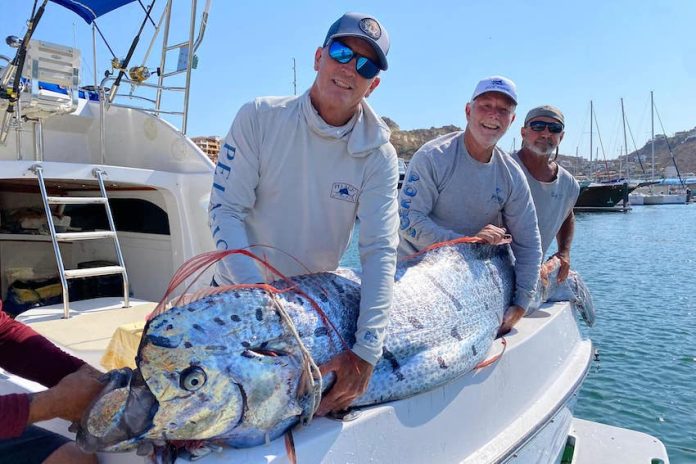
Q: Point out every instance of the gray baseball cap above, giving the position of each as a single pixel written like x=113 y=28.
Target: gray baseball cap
x=498 y=84
x=364 y=27
x=546 y=111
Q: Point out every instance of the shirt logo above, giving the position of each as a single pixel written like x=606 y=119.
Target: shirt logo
x=345 y=192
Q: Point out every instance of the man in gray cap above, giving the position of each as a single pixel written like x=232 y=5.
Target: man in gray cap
x=553 y=188
x=293 y=175
x=462 y=184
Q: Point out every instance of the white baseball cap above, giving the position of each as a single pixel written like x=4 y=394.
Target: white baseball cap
x=498 y=84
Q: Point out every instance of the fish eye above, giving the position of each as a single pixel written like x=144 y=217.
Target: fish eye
x=192 y=378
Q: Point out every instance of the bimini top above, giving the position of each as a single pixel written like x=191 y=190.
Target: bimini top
x=89 y=10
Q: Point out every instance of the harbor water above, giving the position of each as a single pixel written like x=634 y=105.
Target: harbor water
x=641 y=269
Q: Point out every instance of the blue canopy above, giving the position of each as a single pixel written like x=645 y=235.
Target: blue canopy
x=89 y=10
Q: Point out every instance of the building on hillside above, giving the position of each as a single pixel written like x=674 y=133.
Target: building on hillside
x=210 y=145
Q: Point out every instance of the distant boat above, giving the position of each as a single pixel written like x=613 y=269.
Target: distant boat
x=665 y=199
x=677 y=191
x=608 y=195
x=605 y=196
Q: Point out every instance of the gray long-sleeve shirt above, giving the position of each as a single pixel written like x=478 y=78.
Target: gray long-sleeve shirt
x=553 y=201
x=287 y=179
x=448 y=194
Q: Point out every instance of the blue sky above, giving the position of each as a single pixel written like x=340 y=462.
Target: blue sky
x=564 y=53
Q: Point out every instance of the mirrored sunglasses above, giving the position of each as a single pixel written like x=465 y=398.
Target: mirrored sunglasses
x=554 y=127
x=343 y=54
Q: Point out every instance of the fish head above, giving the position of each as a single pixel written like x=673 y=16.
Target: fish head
x=222 y=368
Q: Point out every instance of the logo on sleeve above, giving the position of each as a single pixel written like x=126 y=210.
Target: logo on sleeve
x=345 y=192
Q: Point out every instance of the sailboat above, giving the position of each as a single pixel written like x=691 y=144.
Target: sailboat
x=603 y=196
x=669 y=196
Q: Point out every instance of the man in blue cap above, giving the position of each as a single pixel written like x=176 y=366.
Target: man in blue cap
x=462 y=184
x=295 y=172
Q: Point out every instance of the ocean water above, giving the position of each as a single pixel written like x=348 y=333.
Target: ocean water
x=641 y=269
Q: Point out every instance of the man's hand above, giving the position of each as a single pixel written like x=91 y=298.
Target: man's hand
x=564 y=257
x=493 y=235
x=352 y=377
x=512 y=315
x=69 y=398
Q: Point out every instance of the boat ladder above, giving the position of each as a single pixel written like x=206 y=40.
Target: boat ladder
x=58 y=237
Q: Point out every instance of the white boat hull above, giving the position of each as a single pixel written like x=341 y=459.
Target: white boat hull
x=665 y=199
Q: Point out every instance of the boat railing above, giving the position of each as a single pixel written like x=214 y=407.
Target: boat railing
x=155 y=109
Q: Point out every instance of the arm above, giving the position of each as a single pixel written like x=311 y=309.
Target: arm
x=379 y=223
x=68 y=399
x=564 y=238
x=520 y=218
x=416 y=200
x=28 y=354
x=233 y=195
x=378 y=216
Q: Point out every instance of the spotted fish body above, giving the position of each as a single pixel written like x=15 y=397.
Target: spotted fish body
x=227 y=368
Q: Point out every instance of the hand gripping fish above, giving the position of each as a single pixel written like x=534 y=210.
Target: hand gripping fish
x=238 y=368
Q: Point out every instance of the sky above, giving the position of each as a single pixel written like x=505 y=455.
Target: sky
x=559 y=53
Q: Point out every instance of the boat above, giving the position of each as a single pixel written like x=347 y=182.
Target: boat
x=672 y=191
x=107 y=190
x=608 y=195
x=604 y=196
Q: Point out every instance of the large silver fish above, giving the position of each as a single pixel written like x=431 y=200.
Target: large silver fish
x=229 y=368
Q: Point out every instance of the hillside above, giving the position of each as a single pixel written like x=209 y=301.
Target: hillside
x=406 y=142
x=682 y=144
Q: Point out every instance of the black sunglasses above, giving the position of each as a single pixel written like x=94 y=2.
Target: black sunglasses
x=343 y=54
x=554 y=127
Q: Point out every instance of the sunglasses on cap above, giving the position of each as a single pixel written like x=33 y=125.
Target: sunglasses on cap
x=342 y=53
x=554 y=127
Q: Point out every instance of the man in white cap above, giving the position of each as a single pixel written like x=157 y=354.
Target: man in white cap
x=295 y=172
x=462 y=184
x=554 y=189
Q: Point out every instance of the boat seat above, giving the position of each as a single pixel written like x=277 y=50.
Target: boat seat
x=52 y=74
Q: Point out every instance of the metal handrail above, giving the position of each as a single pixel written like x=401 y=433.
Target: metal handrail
x=99 y=174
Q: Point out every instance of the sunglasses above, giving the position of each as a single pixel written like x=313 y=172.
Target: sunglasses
x=539 y=126
x=343 y=54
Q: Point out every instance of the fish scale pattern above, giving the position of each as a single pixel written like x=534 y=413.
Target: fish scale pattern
x=227 y=367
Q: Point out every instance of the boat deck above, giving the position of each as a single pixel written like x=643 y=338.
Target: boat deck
x=597 y=443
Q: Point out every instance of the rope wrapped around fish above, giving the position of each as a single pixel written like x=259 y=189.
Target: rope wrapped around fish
x=238 y=366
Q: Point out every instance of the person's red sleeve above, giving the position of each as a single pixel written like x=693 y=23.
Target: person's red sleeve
x=14 y=410
x=25 y=353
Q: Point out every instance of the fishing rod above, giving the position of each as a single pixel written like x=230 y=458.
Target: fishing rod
x=123 y=66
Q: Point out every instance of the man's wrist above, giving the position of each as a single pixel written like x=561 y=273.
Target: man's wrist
x=40 y=407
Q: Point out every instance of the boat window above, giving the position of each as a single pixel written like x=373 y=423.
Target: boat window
x=130 y=215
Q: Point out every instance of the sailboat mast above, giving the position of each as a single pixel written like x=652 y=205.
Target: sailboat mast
x=623 y=117
x=652 y=135
x=591 y=123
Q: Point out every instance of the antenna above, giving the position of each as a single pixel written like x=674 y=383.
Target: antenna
x=294 y=76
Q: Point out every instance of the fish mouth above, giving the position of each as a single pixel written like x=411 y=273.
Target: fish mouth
x=121 y=414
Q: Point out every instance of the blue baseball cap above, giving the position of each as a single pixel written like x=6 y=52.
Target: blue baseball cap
x=364 y=27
